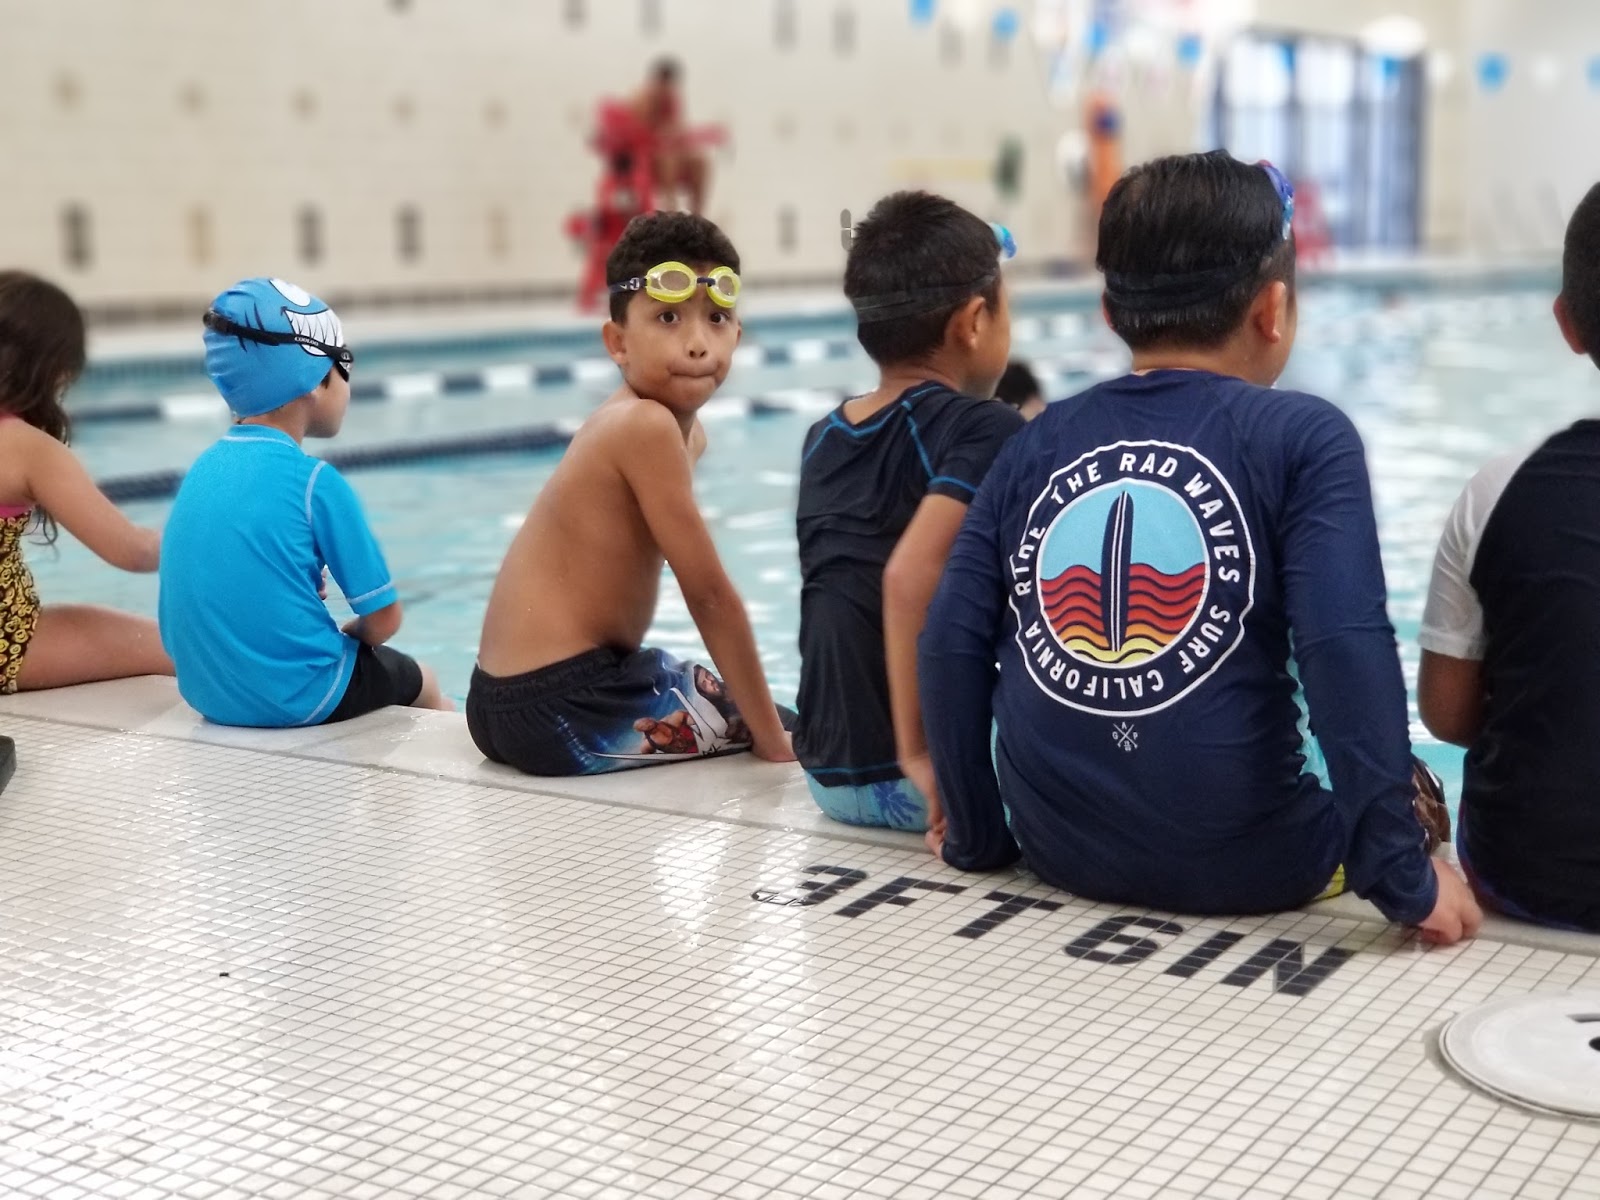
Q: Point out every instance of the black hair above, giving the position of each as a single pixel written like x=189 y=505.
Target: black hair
x=667 y=70
x=1018 y=385
x=655 y=238
x=917 y=242
x=1580 y=272
x=1186 y=243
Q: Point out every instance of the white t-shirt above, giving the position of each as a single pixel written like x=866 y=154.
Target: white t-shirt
x=1452 y=620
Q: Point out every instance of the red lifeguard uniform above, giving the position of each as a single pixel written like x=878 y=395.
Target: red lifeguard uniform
x=631 y=150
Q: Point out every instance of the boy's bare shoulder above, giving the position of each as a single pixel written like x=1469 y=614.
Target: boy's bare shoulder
x=628 y=426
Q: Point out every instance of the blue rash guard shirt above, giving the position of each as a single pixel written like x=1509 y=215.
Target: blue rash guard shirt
x=1139 y=561
x=255 y=522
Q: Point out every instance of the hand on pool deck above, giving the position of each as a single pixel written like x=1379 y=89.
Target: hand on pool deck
x=781 y=751
x=1455 y=914
x=918 y=768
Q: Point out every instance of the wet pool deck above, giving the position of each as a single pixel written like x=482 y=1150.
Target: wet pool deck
x=359 y=961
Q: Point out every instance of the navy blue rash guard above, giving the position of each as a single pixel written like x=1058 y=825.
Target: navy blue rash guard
x=1137 y=561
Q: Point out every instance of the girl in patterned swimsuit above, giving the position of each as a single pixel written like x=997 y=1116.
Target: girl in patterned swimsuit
x=43 y=484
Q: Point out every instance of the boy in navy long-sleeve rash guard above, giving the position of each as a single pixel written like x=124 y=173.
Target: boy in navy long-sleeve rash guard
x=1140 y=563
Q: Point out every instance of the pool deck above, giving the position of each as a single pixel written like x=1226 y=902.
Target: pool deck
x=359 y=961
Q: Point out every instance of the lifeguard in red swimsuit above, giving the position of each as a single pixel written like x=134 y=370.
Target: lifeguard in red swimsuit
x=679 y=160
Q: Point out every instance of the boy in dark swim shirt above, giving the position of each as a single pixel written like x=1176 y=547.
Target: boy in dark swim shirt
x=885 y=481
x=1138 y=562
x=1510 y=668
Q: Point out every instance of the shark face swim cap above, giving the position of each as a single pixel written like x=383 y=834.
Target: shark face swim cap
x=269 y=342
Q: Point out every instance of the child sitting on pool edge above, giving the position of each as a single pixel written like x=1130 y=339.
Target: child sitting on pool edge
x=256 y=522
x=42 y=484
x=1510 y=661
x=563 y=683
x=885 y=480
x=1138 y=563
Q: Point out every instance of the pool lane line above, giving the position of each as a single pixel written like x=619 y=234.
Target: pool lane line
x=162 y=485
x=425 y=385
x=1073 y=371
x=417 y=385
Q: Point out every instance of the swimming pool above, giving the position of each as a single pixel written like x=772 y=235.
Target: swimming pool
x=1437 y=379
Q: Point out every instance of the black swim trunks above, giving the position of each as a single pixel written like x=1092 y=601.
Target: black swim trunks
x=603 y=710
x=382 y=676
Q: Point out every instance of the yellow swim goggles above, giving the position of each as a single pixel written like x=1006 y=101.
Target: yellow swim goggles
x=674 y=282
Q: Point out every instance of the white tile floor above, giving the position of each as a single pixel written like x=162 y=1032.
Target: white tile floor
x=360 y=963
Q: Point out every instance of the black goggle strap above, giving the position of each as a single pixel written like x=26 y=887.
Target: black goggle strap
x=915 y=302
x=339 y=356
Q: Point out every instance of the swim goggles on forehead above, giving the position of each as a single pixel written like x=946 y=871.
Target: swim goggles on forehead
x=674 y=282
x=1285 y=190
x=915 y=302
x=340 y=356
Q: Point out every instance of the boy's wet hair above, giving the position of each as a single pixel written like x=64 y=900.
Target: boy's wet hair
x=1186 y=243
x=1580 y=272
x=911 y=242
x=655 y=238
x=666 y=70
x=1018 y=385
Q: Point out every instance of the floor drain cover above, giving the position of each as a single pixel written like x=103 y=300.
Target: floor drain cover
x=1540 y=1051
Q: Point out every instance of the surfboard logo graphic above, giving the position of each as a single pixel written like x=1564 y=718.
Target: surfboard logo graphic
x=1133 y=579
x=1122 y=610
x=1114 y=576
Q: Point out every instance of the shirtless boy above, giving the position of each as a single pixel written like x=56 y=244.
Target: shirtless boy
x=564 y=684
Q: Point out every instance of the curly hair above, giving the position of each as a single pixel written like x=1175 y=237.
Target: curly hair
x=655 y=238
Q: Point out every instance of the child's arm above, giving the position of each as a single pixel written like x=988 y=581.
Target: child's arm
x=377 y=627
x=354 y=558
x=1450 y=697
x=956 y=676
x=960 y=461
x=655 y=462
x=1350 y=668
x=58 y=484
x=1450 y=684
x=909 y=581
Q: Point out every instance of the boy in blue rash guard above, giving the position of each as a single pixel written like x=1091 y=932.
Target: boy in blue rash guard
x=885 y=480
x=1139 y=561
x=256 y=523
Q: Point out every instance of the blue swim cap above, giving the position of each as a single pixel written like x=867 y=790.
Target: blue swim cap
x=255 y=378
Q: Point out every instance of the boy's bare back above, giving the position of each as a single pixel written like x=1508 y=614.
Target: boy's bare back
x=584 y=571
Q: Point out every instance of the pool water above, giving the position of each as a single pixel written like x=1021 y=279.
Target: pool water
x=1438 y=382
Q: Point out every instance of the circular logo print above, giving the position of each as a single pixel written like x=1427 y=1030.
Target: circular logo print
x=1133 y=578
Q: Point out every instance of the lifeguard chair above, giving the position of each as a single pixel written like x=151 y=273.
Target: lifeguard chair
x=627 y=187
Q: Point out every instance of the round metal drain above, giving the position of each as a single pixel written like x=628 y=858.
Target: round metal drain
x=1540 y=1051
